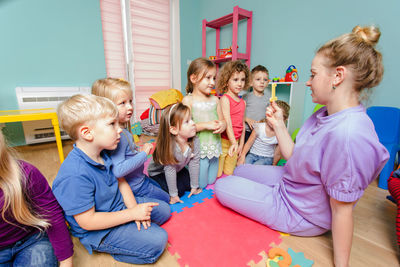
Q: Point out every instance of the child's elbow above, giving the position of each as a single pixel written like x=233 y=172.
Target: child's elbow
x=86 y=227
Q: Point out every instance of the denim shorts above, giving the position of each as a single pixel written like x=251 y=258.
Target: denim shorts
x=258 y=160
x=33 y=250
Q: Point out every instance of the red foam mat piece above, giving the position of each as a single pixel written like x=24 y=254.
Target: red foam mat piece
x=209 y=234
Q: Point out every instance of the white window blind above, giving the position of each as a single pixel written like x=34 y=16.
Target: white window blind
x=148 y=39
x=114 y=53
x=150 y=26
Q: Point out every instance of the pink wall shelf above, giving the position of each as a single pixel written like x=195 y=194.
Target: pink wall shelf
x=234 y=18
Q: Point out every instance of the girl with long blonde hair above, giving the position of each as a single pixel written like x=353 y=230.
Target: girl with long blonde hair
x=32 y=225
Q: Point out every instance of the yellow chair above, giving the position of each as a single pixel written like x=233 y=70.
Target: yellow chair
x=35 y=115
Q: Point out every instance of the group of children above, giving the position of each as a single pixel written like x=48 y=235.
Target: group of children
x=112 y=207
x=107 y=200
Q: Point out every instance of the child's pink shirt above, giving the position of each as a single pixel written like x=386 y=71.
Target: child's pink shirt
x=237 y=109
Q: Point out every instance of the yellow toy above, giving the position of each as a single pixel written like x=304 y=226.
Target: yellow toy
x=273 y=97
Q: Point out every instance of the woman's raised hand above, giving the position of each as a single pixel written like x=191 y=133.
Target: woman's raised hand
x=274 y=114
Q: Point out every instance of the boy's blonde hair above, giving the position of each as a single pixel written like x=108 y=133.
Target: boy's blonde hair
x=227 y=71
x=81 y=109
x=111 y=87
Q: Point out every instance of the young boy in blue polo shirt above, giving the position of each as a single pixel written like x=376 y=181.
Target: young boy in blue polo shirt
x=88 y=191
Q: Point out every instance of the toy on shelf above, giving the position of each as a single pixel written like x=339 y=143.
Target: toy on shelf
x=225 y=52
x=291 y=74
x=277 y=79
x=273 y=96
x=232 y=53
x=212 y=57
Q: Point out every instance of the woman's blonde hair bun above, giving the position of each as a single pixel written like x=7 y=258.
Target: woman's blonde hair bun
x=370 y=34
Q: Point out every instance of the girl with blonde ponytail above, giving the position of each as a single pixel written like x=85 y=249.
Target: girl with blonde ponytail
x=32 y=226
x=336 y=156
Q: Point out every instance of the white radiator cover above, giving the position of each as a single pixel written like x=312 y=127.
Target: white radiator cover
x=43 y=97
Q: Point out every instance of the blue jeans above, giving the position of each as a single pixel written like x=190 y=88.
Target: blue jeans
x=208 y=171
x=258 y=160
x=125 y=243
x=151 y=189
x=34 y=250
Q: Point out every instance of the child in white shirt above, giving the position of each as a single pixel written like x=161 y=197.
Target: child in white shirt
x=262 y=143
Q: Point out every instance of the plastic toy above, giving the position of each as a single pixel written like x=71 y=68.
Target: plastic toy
x=212 y=57
x=284 y=259
x=291 y=74
x=136 y=131
x=273 y=97
x=224 y=52
x=277 y=79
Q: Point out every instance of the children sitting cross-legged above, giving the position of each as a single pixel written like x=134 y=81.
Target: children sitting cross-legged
x=127 y=159
x=87 y=189
x=177 y=147
x=262 y=143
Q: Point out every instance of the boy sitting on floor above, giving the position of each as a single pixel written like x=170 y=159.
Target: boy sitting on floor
x=88 y=191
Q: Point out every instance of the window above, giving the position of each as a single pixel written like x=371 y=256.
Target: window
x=113 y=38
x=140 y=49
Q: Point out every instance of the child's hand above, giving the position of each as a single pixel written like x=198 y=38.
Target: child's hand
x=147 y=147
x=274 y=114
x=213 y=125
x=240 y=150
x=146 y=224
x=233 y=149
x=250 y=122
x=142 y=212
x=195 y=191
x=175 y=199
x=241 y=160
x=221 y=127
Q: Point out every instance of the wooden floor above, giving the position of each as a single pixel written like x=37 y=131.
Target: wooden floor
x=374 y=242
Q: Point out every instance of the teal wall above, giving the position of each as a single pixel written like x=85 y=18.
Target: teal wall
x=47 y=43
x=289 y=32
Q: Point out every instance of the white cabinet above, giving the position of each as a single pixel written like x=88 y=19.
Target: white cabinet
x=292 y=93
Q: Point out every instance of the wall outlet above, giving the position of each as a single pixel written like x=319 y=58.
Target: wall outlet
x=188 y=61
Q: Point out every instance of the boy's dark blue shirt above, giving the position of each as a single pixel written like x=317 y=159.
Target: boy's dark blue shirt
x=81 y=184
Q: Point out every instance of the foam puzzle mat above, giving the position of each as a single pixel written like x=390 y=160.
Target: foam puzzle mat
x=201 y=232
x=209 y=234
x=189 y=202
